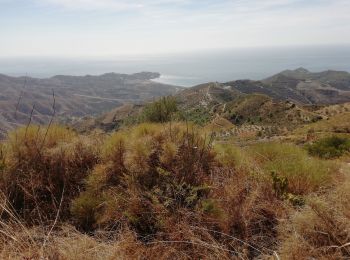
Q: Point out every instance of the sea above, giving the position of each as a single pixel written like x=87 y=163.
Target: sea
x=190 y=68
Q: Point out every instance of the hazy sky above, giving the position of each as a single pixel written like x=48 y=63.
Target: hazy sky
x=114 y=27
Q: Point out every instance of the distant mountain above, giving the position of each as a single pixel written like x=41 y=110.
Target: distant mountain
x=300 y=86
x=75 y=96
x=105 y=101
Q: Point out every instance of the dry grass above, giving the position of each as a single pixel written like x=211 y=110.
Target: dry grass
x=304 y=173
x=164 y=191
x=321 y=230
x=43 y=166
x=335 y=124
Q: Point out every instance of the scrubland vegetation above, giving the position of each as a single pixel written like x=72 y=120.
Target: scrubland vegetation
x=330 y=147
x=168 y=191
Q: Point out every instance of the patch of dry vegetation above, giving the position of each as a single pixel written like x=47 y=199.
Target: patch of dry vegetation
x=165 y=191
x=42 y=167
x=338 y=123
x=321 y=230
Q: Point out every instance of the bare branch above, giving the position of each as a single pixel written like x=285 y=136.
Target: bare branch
x=29 y=122
x=55 y=222
x=52 y=117
x=21 y=95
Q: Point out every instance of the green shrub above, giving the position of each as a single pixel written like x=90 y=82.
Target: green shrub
x=85 y=209
x=329 y=147
x=210 y=206
x=232 y=156
x=200 y=116
x=160 y=111
x=280 y=187
x=305 y=174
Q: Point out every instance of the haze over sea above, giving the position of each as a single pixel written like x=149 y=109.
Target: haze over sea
x=188 y=69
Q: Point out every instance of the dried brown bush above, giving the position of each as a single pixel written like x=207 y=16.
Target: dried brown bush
x=162 y=191
x=321 y=230
x=43 y=169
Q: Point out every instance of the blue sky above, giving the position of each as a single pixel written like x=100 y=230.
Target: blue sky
x=122 y=27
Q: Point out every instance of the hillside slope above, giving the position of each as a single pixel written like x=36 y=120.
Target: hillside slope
x=114 y=97
x=301 y=86
x=213 y=102
x=75 y=96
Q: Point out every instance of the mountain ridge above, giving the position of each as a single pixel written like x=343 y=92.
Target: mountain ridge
x=75 y=96
x=112 y=97
x=301 y=86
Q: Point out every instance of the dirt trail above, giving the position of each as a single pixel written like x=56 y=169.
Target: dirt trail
x=101 y=98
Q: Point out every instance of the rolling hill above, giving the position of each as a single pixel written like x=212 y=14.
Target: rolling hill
x=75 y=96
x=288 y=99
x=215 y=102
x=300 y=86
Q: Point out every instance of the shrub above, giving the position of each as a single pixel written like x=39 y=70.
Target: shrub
x=304 y=173
x=280 y=187
x=160 y=111
x=231 y=156
x=44 y=170
x=200 y=116
x=329 y=147
x=154 y=167
x=249 y=212
x=321 y=229
x=166 y=191
x=85 y=209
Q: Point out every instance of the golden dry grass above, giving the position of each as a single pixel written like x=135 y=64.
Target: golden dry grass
x=321 y=230
x=166 y=191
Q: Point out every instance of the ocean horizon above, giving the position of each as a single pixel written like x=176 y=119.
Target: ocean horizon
x=189 y=69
